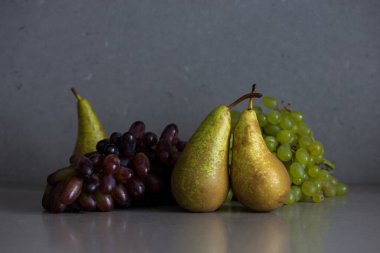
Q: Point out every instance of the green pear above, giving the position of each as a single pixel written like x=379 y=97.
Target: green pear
x=259 y=179
x=200 y=177
x=90 y=130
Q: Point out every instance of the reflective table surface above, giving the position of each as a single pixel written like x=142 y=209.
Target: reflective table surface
x=340 y=224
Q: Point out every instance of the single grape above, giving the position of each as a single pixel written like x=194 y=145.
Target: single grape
x=302 y=156
x=85 y=167
x=318 y=197
x=55 y=204
x=115 y=137
x=341 y=189
x=128 y=145
x=329 y=190
x=111 y=164
x=311 y=161
x=271 y=143
x=303 y=129
x=317 y=183
x=111 y=149
x=316 y=149
x=297 y=170
x=135 y=188
x=74 y=160
x=123 y=174
x=284 y=152
x=90 y=184
x=297 y=192
x=257 y=109
x=272 y=130
x=149 y=139
x=262 y=119
x=291 y=199
x=297 y=180
x=323 y=175
x=313 y=171
x=87 y=201
x=124 y=161
x=308 y=188
x=296 y=116
x=137 y=129
x=274 y=117
x=60 y=175
x=46 y=197
x=101 y=145
x=107 y=183
x=269 y=102
x=294 y=128
x=305 y=141
x=120 y=196
x=284 y=136
x=71 y=190
x=104 y=202
x=286 y=123
x=95 y=157
x=170 y=133
x=318 y=159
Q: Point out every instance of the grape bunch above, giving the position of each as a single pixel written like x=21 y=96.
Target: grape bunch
x=291 y=139
x=127 y=169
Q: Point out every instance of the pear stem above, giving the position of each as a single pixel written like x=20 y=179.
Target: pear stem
x=76 y=94
x=244 y=97
x=250 y=103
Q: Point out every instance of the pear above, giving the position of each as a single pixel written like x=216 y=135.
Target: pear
x=200 y=177
x=90 y=130
x=259 y=180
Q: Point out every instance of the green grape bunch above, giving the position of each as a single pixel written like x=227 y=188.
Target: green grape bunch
x=291 y=139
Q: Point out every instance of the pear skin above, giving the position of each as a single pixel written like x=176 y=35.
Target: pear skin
x=90 y=130
x=200 y=177
x=259 y=180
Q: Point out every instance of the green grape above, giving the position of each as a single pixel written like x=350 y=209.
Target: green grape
x=311 y=161
x=296 y=116
x=318 y=159
x=305 y=177
x=271 y=143
x=303 y=129
x=316 y=149
x=297 y=192
x=341 y=189
x=297 y=180
x=323 y=175
x=284 y=136
x=313 y=171
x=318 y=197
x=274 y=117
x=333 y=180
x=257 y=109
x=304 y=197
x=305 y=141
x=270 y=129
x=302 y=156
x=286 y=122
x=317 y=183
x=262 y=119
x=296 y=170
x=291 y=199
x=329 y=191
x=308 y=188
x=269 y=102
x=294 y=129
x=284 y=152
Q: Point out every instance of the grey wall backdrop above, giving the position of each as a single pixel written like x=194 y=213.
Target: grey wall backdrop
x=173 y=61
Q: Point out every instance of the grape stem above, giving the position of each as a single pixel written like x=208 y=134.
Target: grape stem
x=76 y=94
x=244 y=97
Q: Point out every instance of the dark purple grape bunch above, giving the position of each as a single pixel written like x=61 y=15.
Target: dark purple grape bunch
x=126 y=168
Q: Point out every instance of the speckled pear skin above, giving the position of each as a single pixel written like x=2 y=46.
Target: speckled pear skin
x=259 y=180
x=200 y=177
x=90 y=130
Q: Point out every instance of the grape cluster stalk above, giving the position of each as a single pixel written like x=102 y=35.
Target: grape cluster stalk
x=127 y=169
x=291 y=139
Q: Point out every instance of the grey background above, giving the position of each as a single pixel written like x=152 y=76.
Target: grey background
x=173 y=61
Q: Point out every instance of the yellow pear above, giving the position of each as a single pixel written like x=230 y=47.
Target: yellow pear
x=259 y=180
